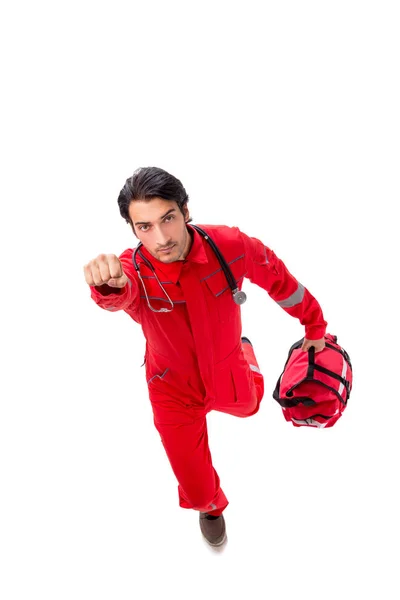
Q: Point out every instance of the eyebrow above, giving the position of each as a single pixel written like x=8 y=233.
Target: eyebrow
x=161 y=218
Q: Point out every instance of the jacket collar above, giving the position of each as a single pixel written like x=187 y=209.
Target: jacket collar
x=172 y=271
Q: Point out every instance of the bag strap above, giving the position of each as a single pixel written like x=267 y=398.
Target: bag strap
x=296 y=345
x=312 y=366
x=325 y=385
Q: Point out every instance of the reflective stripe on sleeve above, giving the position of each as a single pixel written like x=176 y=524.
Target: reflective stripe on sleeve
x=293 y=299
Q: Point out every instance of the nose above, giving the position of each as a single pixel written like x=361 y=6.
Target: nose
x=162 y=240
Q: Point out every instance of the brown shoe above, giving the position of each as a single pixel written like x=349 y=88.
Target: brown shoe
x=213 y=529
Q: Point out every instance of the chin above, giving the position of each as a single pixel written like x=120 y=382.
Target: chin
x=168 y=257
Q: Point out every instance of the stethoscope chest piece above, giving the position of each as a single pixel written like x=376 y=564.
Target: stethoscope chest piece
x=239 y=297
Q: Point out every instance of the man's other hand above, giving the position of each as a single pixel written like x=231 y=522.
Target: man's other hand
x=318 y=344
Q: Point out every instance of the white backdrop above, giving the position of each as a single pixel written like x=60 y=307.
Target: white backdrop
x=281 y=118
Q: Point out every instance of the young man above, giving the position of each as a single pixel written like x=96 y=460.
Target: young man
x=196 y=360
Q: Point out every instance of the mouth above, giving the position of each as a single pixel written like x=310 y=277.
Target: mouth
x=166 y=250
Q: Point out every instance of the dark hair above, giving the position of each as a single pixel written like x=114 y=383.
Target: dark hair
x=151 y=182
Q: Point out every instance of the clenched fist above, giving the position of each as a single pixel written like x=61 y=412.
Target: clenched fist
x=105 y=269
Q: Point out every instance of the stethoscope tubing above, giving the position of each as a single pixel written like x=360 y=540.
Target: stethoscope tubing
x=238 y=296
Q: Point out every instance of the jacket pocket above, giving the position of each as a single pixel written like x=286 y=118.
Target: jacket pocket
x=158 y=376
x=221 y=296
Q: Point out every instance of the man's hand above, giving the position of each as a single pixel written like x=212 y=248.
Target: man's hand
x=318 y=344
x=106 y=268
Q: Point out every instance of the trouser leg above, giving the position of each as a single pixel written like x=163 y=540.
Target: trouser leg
x=240 y=384
x=257 y=377
x=183 y=430
x=186 y=446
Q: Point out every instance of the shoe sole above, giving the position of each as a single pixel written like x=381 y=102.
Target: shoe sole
x=215 y=543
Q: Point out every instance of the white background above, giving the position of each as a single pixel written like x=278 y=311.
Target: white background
x=281 y=118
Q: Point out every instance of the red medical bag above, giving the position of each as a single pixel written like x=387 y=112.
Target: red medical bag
x=314 y=387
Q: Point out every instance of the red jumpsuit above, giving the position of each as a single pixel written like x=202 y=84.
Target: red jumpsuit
x=195 y=360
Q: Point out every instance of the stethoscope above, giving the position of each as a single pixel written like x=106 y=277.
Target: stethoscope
x=239 y=297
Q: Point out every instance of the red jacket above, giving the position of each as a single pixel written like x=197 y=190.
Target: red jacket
x=205 y=326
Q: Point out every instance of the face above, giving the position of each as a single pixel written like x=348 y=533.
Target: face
x=159 y=224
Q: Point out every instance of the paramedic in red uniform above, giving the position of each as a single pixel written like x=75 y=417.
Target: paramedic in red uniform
x=196 y=359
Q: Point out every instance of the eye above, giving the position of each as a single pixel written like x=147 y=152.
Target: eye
x=169 y=217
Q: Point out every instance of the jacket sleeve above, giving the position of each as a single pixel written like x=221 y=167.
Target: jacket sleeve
x=114 y=299
x=266 y=270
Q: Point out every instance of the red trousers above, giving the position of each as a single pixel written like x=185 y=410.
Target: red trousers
x=180 y=407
